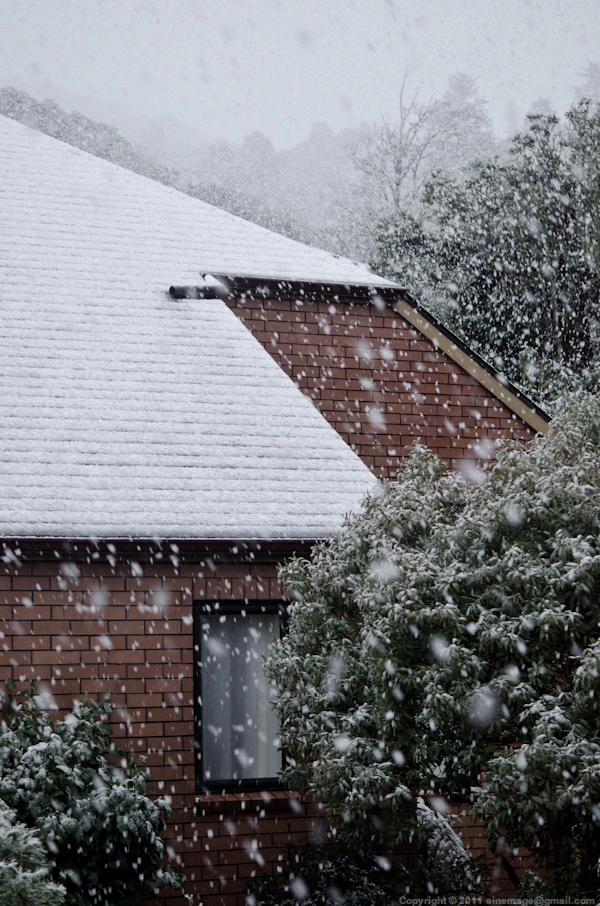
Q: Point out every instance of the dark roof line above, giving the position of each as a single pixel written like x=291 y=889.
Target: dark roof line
x=268 y=287
x=184 y=549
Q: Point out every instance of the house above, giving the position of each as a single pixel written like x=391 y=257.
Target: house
x=159 y=459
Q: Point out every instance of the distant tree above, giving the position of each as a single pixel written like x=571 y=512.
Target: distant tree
x=541 y=106
x=464 y=126
x=250 y=207
x=81 y=132
x=320 y=186
x=391 y=155
x=257 y=163
x=583 y=137
x=448 y=627
x=396 y=156
x=509 y=252
x=590 y=87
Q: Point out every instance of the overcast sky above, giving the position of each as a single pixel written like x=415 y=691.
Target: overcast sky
x=227 y=67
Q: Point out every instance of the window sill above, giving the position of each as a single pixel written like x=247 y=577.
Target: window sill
x=251 y=801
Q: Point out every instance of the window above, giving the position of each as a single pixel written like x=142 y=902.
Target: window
x=236 y=725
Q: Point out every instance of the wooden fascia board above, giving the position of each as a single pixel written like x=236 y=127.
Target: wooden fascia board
x=462 y=358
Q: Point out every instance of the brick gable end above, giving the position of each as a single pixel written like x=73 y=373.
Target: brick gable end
x=379 y=382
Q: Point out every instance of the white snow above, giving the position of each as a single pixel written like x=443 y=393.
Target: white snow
x=125 y=413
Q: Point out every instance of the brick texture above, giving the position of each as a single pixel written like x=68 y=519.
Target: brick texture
x=379 y=382
x=108 y=630
x=471 y=833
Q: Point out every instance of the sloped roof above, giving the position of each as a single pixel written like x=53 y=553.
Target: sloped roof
x=125 y=413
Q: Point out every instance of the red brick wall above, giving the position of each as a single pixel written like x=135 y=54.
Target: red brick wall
x=379 y=382
x=108 y=629
x=497 y=880
x=83 y=630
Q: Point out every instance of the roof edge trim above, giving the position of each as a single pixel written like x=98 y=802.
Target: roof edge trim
x=474 y=364
x=309 y=289
x=184 y=549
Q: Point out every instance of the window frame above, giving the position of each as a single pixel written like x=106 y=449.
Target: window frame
x=227 y=607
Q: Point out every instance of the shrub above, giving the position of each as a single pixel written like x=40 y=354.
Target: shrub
x=450 y=626
x=86 y=800
x=324 y=876
x=24 y=866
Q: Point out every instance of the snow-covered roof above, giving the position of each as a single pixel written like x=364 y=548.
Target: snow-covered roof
x=125 y=413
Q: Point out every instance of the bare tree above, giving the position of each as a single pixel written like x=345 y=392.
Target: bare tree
x=590 y=88
x=394 y=157
x=390 y=154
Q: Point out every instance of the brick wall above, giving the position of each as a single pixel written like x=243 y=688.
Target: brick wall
x=471 y=833
x=379 y=382
x=86 y=629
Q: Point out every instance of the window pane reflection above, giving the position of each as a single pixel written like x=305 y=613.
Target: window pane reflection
x=239 y=725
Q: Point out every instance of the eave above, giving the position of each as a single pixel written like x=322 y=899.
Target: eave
x=154 y=550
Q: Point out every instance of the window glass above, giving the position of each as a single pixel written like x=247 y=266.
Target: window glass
x=239 y=725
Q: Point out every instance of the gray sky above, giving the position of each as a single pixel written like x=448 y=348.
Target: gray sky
x=227 y=67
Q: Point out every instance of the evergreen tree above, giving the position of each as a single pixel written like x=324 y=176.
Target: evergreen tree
x=24 y=866
x=450 y=627
x=509 y=254
x=86 y=801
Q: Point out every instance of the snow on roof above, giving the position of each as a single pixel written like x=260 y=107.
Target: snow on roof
x=125 y=413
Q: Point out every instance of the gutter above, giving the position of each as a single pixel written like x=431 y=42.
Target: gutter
x=154 y=550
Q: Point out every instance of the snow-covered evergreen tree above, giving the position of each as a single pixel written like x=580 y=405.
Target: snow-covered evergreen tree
x=507 y=253
x=85 y=799
x=24 y=865
x=450 y=627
